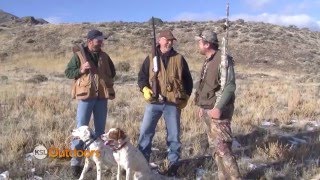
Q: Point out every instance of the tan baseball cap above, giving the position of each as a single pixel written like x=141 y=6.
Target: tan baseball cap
x=167 y=34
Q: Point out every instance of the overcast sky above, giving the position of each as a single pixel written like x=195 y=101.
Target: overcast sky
x=302 y=13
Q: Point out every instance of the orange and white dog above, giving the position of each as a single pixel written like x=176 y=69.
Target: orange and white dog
x=128 y=157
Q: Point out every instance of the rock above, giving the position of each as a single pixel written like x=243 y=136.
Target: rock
x=42 y=21
x=30 y=41
x=235 y=144
x=240 y=21
x=33 y=21
x=29 y=20
x=157 y=21
x=199 y=173
x=4 y=175
x=267 y=123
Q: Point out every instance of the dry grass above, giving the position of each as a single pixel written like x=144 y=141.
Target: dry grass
x=272 y=151
x=43 y=113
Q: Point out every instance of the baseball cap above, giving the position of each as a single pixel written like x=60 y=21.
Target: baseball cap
x=208 y=36
x=95 y=34
x=167 y=34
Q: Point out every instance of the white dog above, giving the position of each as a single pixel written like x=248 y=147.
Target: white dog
x=101 y=155
x=128 y=157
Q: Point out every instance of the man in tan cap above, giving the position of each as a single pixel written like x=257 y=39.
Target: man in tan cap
x=217 y=111
x=174 y=86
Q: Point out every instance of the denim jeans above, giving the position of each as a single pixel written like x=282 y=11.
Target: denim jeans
x=152 y=114
x=97 y=107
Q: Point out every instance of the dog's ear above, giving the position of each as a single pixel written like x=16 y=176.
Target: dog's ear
x=120 y=134
x=112 y=134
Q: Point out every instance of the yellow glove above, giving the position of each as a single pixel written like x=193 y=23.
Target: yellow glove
x=184 y=103
x=147 y=92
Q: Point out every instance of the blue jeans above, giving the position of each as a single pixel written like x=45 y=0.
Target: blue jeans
x=152 y=114
x=97 y=107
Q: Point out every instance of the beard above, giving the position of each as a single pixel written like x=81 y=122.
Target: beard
x=167 y=49
x=96 y=48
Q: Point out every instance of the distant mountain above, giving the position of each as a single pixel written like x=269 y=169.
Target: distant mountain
x=32 y=20
x=5 y=17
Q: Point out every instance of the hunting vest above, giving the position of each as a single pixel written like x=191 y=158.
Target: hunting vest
x=98 y=83
x=170 y=79
x=209 y=84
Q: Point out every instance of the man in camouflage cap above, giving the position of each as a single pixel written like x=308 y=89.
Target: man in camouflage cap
x=214 y=110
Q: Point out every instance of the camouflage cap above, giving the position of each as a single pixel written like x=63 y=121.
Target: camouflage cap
x=208 y=36
x=167 y=34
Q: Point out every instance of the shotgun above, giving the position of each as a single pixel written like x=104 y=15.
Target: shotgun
x=91 y=74
x=225 y=57
x=155 y=80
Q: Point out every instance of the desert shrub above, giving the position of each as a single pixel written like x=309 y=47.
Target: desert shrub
x=123 y=66
x=274 y=151
x=37 y=78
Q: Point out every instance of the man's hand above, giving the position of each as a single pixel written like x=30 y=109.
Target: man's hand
x=147 y=92
x=214 y=113
x=84 y=67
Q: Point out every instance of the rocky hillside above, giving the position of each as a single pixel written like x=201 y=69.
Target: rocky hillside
x=256 y=45
x=7 y=18
x=275 y=123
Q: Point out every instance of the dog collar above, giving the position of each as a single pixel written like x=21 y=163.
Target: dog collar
x=91 y=140
x=120 y=147
x=113 y=147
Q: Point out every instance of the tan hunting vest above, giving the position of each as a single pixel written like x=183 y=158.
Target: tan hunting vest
x=170 y=79
x=84 y=88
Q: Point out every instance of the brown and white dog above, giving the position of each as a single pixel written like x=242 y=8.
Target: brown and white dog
x=104 y=155
x=128 y=157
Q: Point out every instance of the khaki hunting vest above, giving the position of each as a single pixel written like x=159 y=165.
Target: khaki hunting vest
x=85 y=88
x=170 y=79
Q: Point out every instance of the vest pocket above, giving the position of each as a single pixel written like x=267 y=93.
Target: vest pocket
x=107 y=90
x=206 y=100
x=81 y=87
x=179 y=94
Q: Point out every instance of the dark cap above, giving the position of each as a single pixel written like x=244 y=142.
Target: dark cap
x=167 y=34
x=95 y=34
x=208 y=36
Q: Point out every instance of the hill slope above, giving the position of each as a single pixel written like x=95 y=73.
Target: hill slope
x=257 y=45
